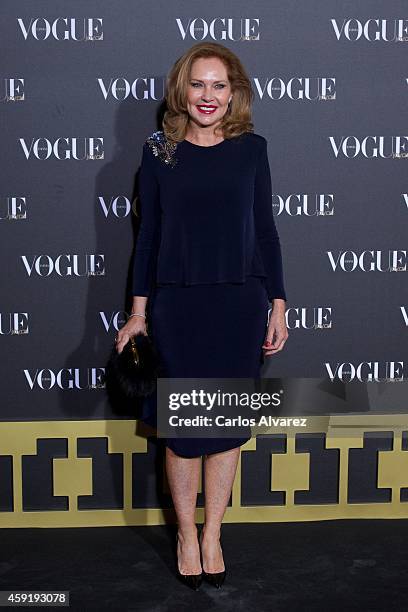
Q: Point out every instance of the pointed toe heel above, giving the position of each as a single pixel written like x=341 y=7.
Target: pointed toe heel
x=191 y=580
x=216 y=579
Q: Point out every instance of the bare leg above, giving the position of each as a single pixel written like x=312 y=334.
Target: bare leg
x=219 y=472
x=183 y=477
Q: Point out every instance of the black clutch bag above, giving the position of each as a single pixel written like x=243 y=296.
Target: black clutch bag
x=134 y=371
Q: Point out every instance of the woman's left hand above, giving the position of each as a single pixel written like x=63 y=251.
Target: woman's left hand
x=277 y=332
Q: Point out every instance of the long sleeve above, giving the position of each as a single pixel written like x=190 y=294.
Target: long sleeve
x=145 y=255
x=265 y=228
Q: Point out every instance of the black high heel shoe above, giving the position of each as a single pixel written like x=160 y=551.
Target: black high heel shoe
x=214 y=578
x=192 y=580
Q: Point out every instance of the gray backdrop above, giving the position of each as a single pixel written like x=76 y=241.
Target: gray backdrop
x=331 y=89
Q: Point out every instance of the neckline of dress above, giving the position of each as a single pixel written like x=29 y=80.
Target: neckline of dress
x=203 y=146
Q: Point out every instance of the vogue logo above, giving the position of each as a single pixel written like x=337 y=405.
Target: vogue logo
x=220 y=28
x=114 y=319
x=388 y=30
x=64 y=148
x=13 y=90
x=14 y=323
x=143 y=88
x=309 y=318
x=62 y=28
x=13 y=207
x=370 y=146
x=297 y=204
x=297 y=88
x=369 y=261
x=66 y=265
x=366 y=371
x=120 y=206
x=67 y=378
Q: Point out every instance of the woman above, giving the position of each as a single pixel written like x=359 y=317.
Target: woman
x=207 y=261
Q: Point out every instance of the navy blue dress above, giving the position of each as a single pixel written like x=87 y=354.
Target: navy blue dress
x=208 y=258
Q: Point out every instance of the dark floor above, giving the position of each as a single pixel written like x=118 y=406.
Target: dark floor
x=329 y=565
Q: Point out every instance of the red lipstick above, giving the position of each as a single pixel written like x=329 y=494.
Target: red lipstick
x=206 y=109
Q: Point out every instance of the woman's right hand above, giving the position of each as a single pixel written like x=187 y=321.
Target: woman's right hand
x=133 y=327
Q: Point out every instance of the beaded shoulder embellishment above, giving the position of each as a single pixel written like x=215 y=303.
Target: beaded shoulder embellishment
x=162 y=147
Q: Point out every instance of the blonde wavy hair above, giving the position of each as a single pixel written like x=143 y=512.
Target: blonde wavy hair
x=236 y=120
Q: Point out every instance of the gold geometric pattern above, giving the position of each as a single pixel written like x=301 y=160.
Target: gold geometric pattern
x=72 y=477
x=393 y=468
x=288 y=472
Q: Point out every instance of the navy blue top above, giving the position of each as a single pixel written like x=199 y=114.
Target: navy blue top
x=206 y=215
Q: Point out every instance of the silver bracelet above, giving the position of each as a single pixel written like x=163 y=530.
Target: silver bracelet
x=136 y=314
